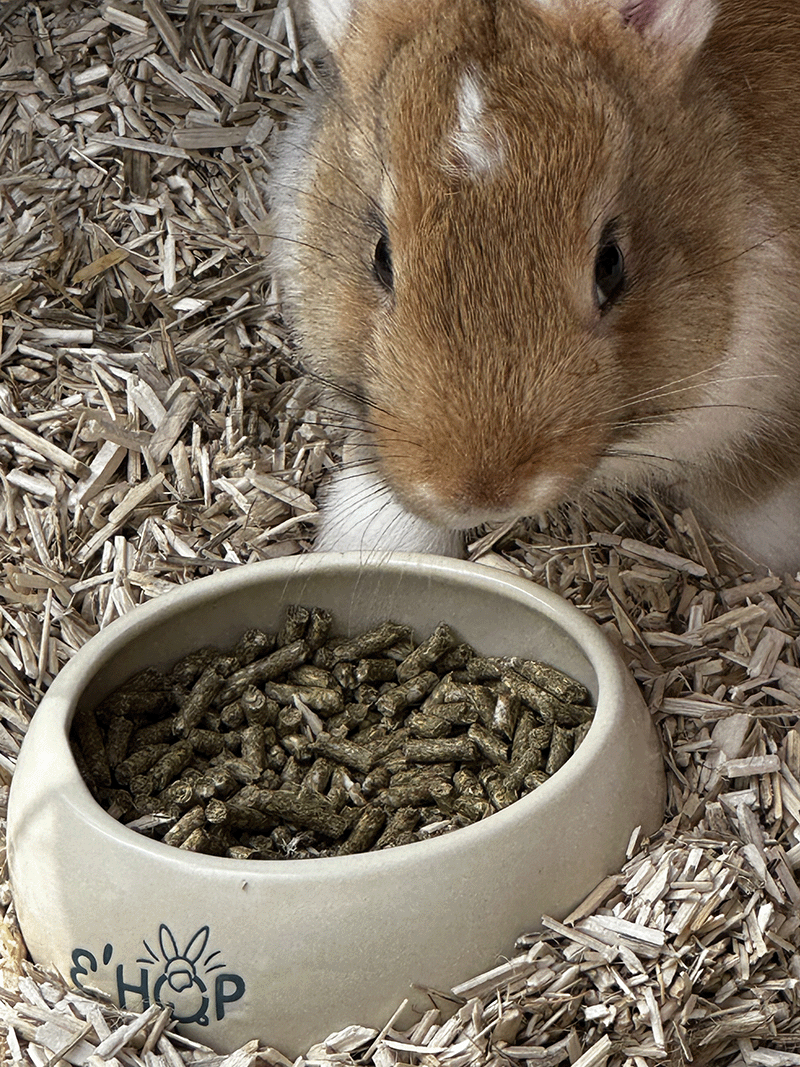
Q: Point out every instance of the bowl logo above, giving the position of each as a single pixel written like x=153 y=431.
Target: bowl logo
x=193 y=983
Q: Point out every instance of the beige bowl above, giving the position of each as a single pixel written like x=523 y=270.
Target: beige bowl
x=290 y=951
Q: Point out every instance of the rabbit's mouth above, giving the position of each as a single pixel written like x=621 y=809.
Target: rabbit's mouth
x=466 y=494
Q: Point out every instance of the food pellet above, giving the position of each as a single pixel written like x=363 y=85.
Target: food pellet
x=300 y=744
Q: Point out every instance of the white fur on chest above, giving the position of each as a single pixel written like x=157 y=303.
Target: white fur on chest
x=770 y=532
x=360 y=514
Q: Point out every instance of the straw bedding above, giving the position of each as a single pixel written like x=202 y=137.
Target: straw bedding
x=155 y=428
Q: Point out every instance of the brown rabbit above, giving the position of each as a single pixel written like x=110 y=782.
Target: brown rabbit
x=542 y=246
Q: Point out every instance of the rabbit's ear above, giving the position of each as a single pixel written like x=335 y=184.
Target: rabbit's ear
x=331 y=19
x=196 y=947
x=679 y=26
x=169 y=946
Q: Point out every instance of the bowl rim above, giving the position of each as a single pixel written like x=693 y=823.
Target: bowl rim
x=613 y=695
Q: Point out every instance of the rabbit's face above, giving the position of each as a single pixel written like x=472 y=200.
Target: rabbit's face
x=497 y=225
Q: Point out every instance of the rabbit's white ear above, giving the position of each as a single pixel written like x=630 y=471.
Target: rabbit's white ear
x=680 y=26
x=331 y=19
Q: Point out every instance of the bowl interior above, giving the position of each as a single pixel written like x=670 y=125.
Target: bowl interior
x=484 y=612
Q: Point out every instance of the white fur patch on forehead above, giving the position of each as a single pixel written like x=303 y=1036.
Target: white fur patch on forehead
x=476 y=142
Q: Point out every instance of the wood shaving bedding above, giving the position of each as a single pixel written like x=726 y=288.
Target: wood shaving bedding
x=155 y=428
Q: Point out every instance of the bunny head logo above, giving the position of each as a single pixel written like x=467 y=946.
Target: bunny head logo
x=181 y=987
x=181 y=975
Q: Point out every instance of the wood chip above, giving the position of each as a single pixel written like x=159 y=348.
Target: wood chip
x=44 y=447
x=155 y=428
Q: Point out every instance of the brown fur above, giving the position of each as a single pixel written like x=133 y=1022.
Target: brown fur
x=494 y=386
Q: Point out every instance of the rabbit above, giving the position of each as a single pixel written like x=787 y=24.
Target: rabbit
x=544 y=247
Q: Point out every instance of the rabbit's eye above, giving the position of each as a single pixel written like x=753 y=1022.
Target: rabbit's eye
x=609 y=273
x=382 y=263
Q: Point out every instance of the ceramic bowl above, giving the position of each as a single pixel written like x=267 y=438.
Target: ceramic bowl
x=291 y=951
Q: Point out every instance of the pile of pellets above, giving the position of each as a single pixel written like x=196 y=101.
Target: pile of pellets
x=299 y=744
